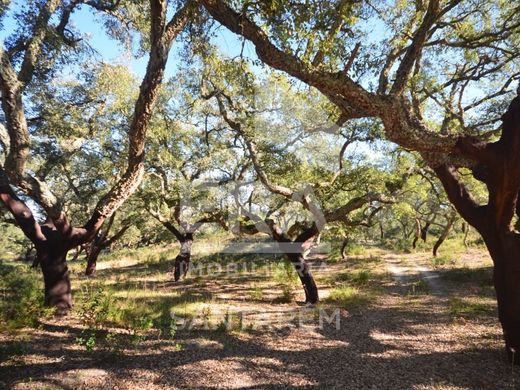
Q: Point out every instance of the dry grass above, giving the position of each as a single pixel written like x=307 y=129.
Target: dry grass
x=398 y=339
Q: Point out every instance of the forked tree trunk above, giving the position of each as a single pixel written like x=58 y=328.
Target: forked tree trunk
x=503 y=244
x=294 y=250
x=182 y=261
x=424 y=231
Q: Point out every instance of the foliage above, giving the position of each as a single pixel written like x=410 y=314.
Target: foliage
x=348 y=297
x=100 y=313
x=468 y=307
x=12 y=241
x=22 y=303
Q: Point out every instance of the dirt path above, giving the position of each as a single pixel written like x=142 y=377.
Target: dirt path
x=400 y=340
x=402 y=267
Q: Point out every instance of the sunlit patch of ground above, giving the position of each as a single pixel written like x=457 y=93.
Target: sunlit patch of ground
x=382 y=325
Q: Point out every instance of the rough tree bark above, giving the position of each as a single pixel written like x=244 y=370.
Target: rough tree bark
x=293 y=249
x=185 y=239
x=57 y=236
x=499 y=168
x=101 y=242
x=299 y=245
x=52 y=242
x=182 y=261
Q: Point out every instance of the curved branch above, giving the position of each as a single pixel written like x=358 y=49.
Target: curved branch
x=415 y=48
x=460 y=197
x=360 y=100
x=341 y=213
x=22 y=214
x=253 y=153
x=167 y=224
x=160 y=46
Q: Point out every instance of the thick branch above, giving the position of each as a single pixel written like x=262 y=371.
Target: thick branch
x=33 y=47
x=329 y=83
x=415 y=48
x=167 y=224
x=120 y=233
x=253 y=154
x=341 y=213
x=149 y=90
x=460 y=197
x=22 y=214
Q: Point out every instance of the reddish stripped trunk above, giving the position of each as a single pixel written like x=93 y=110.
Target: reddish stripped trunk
x=92 y=252
x=56 y=278
x=51 y=254
x=94 y=248
x=505 y=252
x=499 y=168
x=54 y=239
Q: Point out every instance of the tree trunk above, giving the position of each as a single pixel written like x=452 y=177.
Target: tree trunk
x=344 y=246
x=498 y=167
x=304 y=241
x=93 y=250
x=305 y=275
x=506 y=278
x=465 y=229
x=424 y=231
x=182 y=261
x=443 y=235
x=53 y=263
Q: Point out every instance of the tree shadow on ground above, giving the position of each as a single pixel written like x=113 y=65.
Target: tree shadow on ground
x=378 y=346
x=351 y=358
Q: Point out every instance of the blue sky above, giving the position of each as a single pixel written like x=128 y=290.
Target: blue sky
x=110 y=50
x=90 y=26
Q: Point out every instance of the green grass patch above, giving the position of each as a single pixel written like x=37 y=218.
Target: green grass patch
x=349 y=297
x=354 y=249
x=468 y=307
x=479 y=276
x=361 y=277
x=419 y=287
x=22 y=303
x=442 y=260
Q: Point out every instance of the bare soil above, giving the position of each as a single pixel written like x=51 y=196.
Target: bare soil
x=412 y=335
